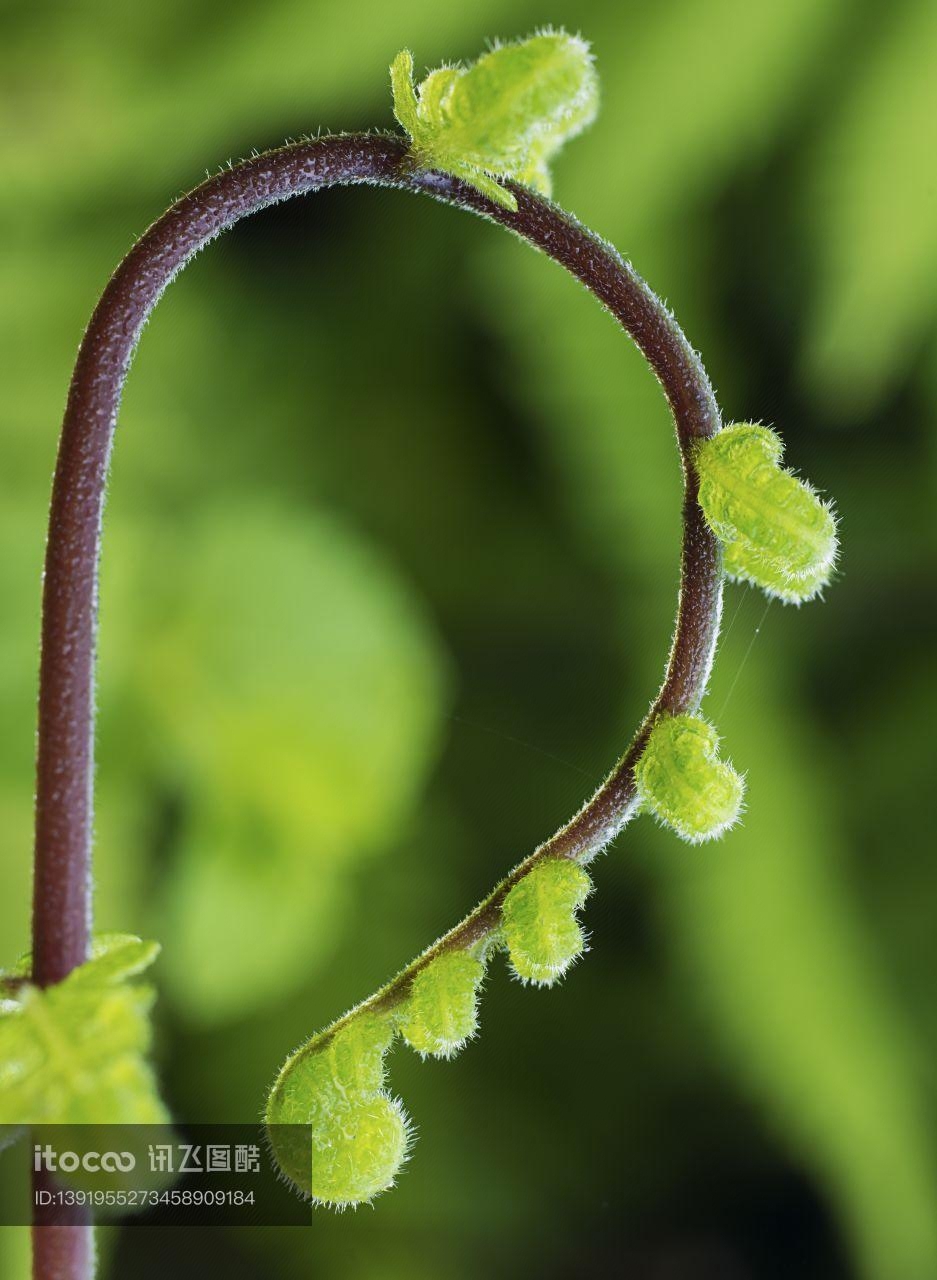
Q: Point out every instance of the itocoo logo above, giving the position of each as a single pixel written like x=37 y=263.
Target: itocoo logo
x=91 y=1161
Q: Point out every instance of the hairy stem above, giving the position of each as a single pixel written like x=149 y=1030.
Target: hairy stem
x=62 y=890
x=62 y=1237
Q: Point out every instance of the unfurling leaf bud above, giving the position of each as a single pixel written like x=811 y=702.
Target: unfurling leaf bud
x=683 y=782
x=442 y=1010
x=361 y=1152
x=777 y=532
x=542 y=933
x=360 y=1135
x=503 y=116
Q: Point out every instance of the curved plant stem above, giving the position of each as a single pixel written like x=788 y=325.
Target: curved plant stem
x=62 y=893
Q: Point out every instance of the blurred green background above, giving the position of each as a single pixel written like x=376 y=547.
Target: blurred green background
x=389 y=576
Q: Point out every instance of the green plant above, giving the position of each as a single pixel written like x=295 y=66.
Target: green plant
x=480 y=138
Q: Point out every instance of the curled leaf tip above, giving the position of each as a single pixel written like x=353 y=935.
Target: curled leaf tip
x=682 y=781
x=360 y=1135
x=502 y=117
x=442 y=1009
x=367 y=1147
x=778 y=533
x=542 y=933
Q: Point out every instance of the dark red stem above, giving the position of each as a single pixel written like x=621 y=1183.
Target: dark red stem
x=62 y=1237
x=62 y=884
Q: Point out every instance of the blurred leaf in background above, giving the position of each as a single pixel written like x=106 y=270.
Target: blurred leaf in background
x=379 y=607
x=291 y=692
x=870 y=214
